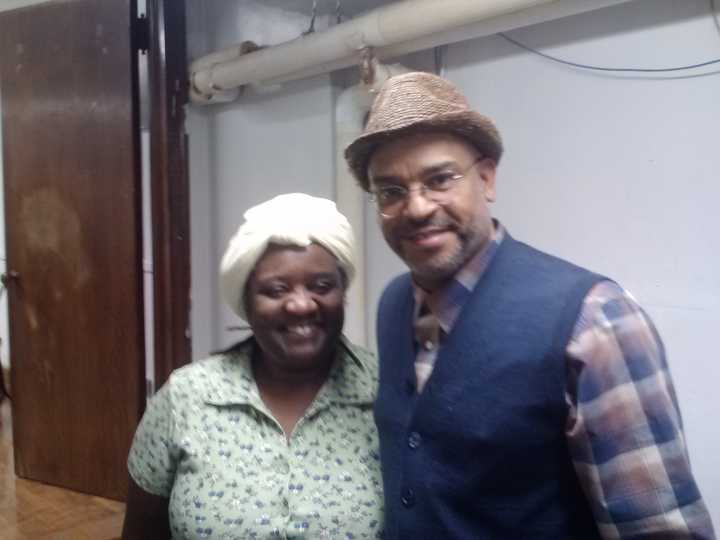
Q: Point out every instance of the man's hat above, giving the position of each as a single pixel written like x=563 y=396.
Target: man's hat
x=414 y=103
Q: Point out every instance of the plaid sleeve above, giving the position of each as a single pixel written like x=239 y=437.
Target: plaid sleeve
x=624 y=428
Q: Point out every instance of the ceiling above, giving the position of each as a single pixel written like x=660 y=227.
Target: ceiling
x=349 y=7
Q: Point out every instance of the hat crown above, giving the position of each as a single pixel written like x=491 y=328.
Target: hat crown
x=420 y=102
x=411 y=98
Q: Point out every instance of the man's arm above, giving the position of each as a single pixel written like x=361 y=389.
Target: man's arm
x=624 y=428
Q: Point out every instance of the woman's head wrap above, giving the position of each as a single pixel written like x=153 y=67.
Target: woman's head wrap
x=292 y=219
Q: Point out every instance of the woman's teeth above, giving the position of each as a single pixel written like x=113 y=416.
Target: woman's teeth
x=302 y=330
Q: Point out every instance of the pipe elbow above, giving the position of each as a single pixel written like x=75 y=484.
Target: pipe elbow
x=202 y=91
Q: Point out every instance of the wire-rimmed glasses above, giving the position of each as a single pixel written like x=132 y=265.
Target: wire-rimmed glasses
x=390 y=199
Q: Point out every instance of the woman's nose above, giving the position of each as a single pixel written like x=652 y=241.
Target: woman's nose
x=300 y=303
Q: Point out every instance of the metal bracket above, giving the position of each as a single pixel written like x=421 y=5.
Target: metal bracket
x=368 y=63
x=7 y=278
x=141 y=31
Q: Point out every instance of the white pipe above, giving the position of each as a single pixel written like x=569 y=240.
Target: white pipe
x=15 y=4
x=399 y=28
x=394 y=23
x=351 y=108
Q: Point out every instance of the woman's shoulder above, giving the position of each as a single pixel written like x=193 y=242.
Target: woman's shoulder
x=207 y=372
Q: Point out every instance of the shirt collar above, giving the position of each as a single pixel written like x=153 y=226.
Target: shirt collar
x=351 y=379
x=447 y=301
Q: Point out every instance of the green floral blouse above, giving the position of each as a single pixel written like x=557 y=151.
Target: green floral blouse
x=208 y=442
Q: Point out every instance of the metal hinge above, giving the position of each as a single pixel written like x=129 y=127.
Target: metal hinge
x=141 y=30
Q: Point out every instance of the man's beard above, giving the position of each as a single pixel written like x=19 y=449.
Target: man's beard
x=444 y=265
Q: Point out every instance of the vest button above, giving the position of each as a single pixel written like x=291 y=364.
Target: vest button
x=414 y=440
x=408 y=498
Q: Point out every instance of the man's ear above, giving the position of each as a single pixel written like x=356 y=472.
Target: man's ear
x=486 y=170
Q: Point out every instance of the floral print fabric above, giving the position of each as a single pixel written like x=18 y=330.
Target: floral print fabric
x=208 y=442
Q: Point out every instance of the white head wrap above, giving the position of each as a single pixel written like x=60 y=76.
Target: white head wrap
x=292 y=219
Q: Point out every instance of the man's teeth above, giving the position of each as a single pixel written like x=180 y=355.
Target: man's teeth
x=301 y=329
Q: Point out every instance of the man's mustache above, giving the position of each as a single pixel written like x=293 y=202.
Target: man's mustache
x=439 y=222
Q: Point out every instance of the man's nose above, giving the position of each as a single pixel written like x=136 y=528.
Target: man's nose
x=301 y=302
x=418 y=205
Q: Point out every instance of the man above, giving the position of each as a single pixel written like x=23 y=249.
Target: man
x=520 y=396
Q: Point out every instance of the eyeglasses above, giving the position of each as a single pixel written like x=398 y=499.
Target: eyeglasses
x=390 y=199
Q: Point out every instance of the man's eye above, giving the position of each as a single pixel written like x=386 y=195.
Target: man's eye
x=440 y=181
x=391 y=193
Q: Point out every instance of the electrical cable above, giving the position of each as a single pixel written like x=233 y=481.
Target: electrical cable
x=439 y=54
x=714 y=9
x=601 y=68
x=339 y=12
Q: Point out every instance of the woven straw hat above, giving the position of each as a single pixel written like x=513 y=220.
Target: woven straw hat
x=418 y=102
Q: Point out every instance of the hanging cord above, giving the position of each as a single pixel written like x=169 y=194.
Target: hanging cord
x=439 y=54
x=313 y=16
x=338 y=12
x=716 y=20
x=602 y=68
x=311 y=29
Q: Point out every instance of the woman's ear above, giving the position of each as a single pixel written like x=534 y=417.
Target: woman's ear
x=344 y=281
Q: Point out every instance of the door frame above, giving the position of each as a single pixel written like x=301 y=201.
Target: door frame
x=170 y=192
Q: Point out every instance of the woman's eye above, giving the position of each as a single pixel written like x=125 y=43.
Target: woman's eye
x=275 y=291
x=323 y=286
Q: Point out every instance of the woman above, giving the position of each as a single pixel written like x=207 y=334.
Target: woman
x=273 y=438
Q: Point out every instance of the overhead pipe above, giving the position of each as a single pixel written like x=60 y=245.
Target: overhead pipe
x=399 y=28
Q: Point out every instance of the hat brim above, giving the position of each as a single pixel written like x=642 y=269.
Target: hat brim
x=479 y=130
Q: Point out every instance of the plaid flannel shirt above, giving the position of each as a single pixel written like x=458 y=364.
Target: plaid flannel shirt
x=624 y=429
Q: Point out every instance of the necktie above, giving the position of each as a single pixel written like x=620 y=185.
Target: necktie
x=427 y=335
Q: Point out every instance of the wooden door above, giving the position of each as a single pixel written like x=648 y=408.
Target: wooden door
x=73 y=229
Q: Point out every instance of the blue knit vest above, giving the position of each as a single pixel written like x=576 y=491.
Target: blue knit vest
x=481 y=452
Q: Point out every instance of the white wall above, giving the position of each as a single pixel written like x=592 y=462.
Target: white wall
x=204 y=305
x=617 y=173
